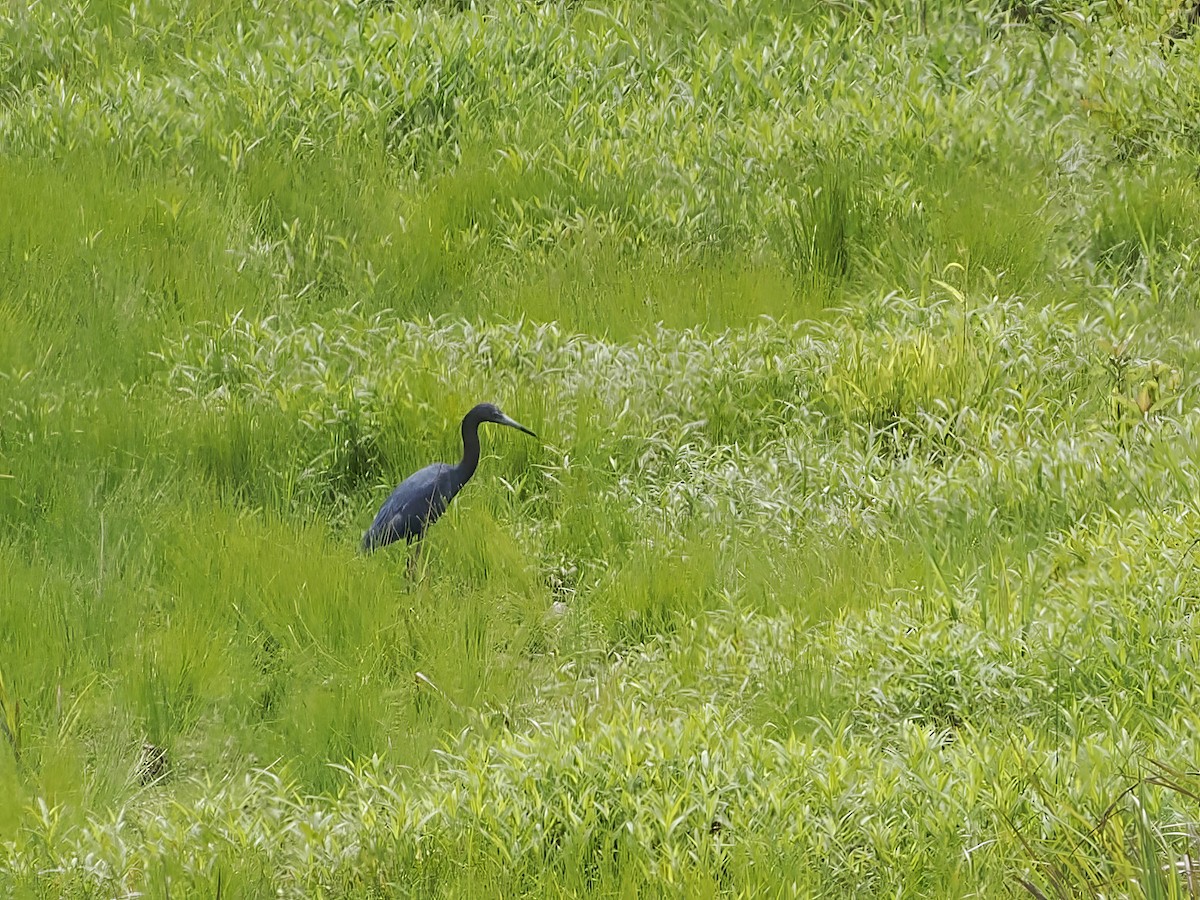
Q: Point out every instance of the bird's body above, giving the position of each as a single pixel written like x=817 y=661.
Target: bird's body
x=421 y=498
x=413 y=506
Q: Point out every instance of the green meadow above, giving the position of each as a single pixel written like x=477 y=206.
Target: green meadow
x=860 y=553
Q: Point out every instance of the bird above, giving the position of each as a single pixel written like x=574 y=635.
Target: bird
x=421 y=498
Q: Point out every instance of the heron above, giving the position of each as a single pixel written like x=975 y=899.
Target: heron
x=421 y=498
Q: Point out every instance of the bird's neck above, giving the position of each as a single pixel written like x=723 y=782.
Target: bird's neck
x=470 y=437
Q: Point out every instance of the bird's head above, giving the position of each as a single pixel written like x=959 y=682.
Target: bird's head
x=490 y=412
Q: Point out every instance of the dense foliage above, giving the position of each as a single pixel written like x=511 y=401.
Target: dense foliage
x=861 y=550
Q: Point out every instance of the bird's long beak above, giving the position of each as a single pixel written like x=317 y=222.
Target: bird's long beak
x=511 y=423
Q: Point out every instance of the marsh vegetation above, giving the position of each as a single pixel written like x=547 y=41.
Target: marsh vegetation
x=860 y=553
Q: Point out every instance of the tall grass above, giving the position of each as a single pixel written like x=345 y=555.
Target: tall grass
x=858 y=556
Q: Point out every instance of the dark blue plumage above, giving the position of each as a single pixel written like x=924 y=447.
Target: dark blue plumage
x=421 y=498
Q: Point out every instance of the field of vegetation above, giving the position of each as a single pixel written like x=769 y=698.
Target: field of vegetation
x=861 y=552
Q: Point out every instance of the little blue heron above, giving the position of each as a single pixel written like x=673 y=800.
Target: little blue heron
x=422 y=497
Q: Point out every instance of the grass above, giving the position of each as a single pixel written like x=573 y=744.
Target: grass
x=858 y=556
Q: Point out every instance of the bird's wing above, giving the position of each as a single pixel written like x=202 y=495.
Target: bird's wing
x=415 y=503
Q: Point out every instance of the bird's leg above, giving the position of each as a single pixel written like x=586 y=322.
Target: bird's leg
x=414 y=557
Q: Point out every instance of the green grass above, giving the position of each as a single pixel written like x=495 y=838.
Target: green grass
x=858 y=557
